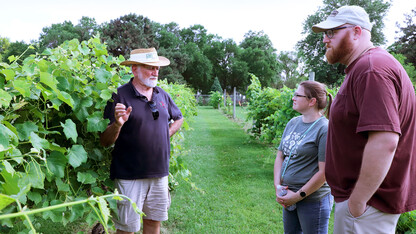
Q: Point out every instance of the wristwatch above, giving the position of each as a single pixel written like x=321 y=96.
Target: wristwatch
x=302 y=193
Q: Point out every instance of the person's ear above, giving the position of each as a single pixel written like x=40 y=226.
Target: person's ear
x=134 y=68
x=312 y=101
x=357 y=32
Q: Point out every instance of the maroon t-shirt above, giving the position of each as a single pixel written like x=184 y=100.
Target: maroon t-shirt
x=376 y=95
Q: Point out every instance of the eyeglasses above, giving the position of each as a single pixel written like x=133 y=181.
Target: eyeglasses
x=298 y=95
x=330 y=32
x=155 y=111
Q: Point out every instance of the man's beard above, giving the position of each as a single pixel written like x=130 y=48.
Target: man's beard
x=151 y=83
x=344 y=48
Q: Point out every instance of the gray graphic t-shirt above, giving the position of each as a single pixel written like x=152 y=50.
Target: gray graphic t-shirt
x=305 y=152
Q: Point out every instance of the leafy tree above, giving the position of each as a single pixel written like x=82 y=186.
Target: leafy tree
x=169 y=39
x=168 y=35
x=216 y=86
x=56 y=34
x=225 y=56
x=196 y=34
x=260 y=57
x=199 y=68
x=19 y=49
x=86 y=28
x=216 y=54
x=4 y=44
x=410 y=69
x=291 y=72
x=406 y=44
x=178 y=61
x=239 y=75
x=127 y=33
x=312 y=50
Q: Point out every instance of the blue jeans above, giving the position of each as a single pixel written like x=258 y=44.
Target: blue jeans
x=308 y=217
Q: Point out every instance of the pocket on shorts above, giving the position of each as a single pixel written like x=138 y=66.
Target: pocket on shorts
x=122 y=208
x=358 y=217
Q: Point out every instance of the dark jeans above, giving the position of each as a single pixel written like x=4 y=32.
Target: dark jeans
x=309 y=217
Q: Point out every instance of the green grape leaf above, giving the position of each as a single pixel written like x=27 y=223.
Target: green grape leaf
x=84 y=49
x=65 y=97
x=97 y=191
x=34 y=196
x=8 y=73
x=77 y=155
x=48 y=79
x=5 y=98
x=102 y=75
x=63 y=187
x=23 y=87
x=35 y=175
x=106 y=94
x=87 y=102
x=70 y=130
x=5 y=201
x=105 y=212
x=85 y=178
x=37 y=142
x=24 y=130
x=82 y=114
x=6 y=135
x=56 y=162
x=8 y=167
x=10 y=185
x=96 y=123
x=43 y=65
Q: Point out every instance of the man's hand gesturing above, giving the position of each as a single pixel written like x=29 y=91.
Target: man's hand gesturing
x=122 y=114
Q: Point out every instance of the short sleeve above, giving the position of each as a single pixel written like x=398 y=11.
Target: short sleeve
x=377 y=101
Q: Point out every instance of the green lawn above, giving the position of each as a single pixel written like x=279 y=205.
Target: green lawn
x=236 y=177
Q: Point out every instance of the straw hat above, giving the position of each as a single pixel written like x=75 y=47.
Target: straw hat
x=147 y=57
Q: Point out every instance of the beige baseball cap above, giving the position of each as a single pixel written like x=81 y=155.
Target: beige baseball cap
x=355 y=15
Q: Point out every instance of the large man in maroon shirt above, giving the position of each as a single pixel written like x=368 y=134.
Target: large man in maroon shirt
x=371 y=148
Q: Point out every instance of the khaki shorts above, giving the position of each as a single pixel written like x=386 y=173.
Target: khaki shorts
x=150 y=195
x=371 y=221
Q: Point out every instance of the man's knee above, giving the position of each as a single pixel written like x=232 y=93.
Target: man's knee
x=123 y=232
x=150 y=222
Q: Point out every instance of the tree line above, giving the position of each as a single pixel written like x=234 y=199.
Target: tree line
x=199 y=58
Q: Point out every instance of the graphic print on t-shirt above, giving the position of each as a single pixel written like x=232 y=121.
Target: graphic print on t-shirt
x=292 y=139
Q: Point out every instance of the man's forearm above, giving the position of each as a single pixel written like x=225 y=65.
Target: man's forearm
x=175 y=126
x=110 y=135
x=377 y=158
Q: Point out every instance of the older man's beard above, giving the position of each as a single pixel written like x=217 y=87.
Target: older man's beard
x=338 y=54
x=150 y=82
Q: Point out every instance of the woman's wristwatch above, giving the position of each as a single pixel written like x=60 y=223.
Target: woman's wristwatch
x=302 y=193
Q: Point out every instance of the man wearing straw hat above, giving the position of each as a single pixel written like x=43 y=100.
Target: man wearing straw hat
x=142 y=117
x=371 y=145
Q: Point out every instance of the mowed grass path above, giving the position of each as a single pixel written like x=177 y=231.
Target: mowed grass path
x=235 y=175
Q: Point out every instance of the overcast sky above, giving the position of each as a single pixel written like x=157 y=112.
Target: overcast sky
x=281 y=20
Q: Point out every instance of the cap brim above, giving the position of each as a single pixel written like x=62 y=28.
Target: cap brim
x=325 y=25
x=161 y=63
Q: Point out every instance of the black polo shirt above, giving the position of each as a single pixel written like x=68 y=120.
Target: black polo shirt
x=142 y=149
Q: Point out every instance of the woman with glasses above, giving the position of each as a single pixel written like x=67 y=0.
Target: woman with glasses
x=299 y=170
